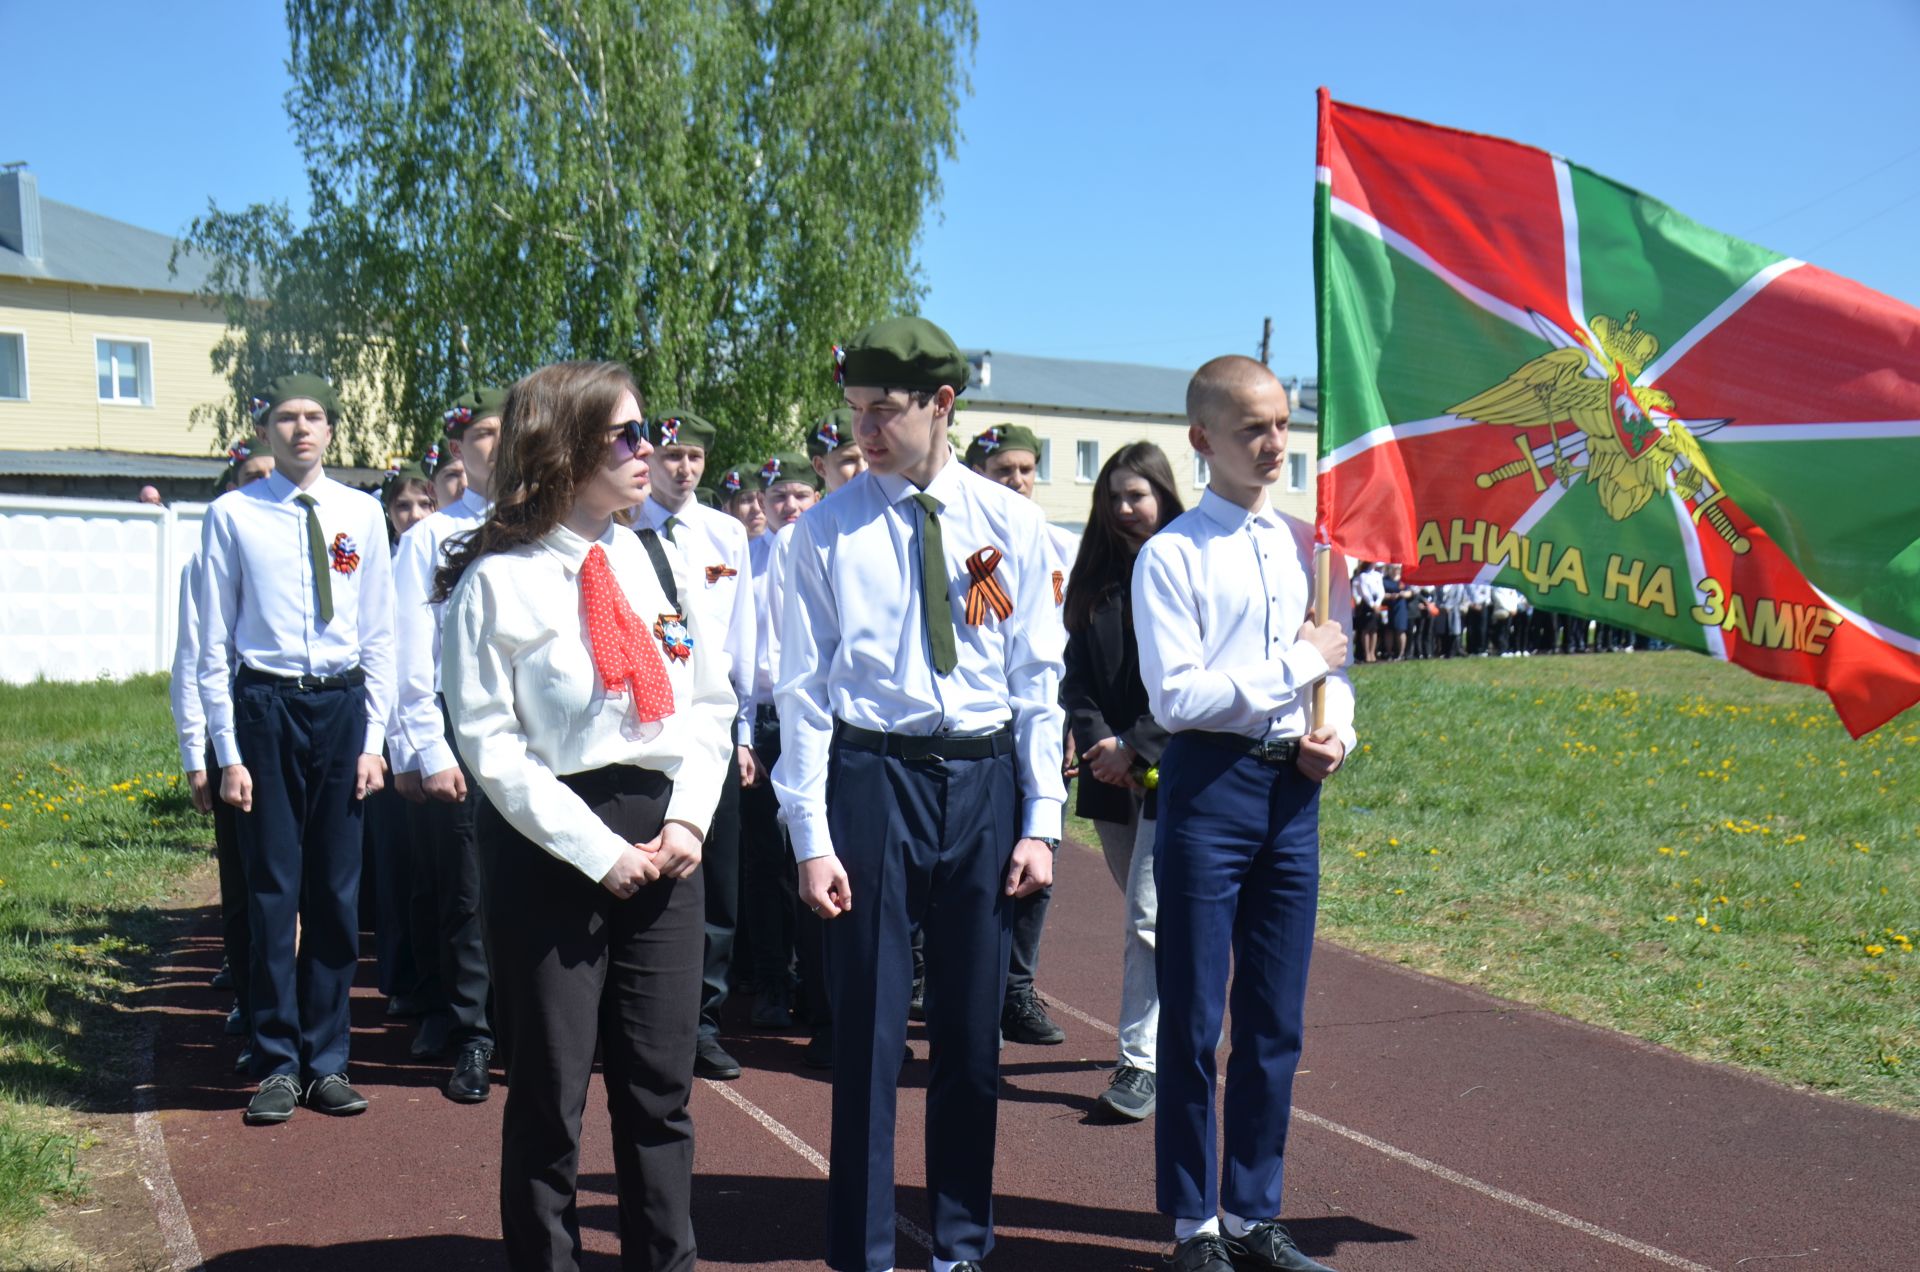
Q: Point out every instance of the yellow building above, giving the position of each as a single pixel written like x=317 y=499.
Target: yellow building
x=1084 y=411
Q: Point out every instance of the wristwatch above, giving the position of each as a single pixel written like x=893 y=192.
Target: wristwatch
x=1053 y=845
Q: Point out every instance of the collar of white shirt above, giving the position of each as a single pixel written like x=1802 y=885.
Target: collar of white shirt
x=655 y=514
x=571 y=549
x=472 y=505
x=945 y=486
x=284 y=490
x=1230 y=516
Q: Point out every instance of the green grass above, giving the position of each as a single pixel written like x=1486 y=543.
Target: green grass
x=1657 y=843
x=95 y=827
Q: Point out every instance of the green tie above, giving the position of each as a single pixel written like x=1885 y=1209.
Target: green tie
x=934 y=605
x=317 y=549
x=672 y=524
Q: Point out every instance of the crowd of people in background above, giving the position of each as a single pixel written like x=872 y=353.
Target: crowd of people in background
x=1395 y=620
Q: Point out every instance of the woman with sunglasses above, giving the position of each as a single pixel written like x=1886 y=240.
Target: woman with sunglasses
x=594 y=714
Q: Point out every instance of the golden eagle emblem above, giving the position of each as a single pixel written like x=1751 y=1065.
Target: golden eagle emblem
x=1630 y=446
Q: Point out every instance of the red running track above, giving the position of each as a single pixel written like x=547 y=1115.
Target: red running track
x=1436 y=1128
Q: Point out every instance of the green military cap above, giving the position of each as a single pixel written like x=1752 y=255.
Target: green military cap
x=399 y=474
x=476 y=404
x=788 y=466
x=732 y=482
x=902 y=353
x=706 y=497
x=682 y=428
x=831 y=431
x=288 y=387
x=1001 y=437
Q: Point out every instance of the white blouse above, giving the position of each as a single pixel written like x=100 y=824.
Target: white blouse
x=528 y=706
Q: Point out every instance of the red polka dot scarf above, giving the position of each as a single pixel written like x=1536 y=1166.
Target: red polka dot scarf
x=623 y=649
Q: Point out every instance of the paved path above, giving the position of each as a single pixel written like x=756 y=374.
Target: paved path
x=1436 y=1128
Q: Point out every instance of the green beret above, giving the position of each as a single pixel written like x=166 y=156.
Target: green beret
x=288 y=387
x=788 y=466
x=399 y=475
x=476 y=404
x=732 y=482
x=831 y=431
x=682 y=428
x=903 y=353
x=706 y=497
x=1001 y=437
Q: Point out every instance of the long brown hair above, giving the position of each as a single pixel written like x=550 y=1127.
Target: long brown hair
x=553 y=436
x=1106 y=553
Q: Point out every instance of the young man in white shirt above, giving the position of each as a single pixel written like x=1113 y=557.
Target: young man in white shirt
x=447 y=926
x=1229 y=653
x=296 y=666
x=1009 y=454
x=716 y=548
x=920 y=663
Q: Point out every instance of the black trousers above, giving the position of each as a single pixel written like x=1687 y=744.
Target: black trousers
x=1029 y=923
x=720 y=867
x=235 y=945
x=924 y=842
x=573 y=967
x=769 y=891
x=385 y=875
x=300 y=848
x=453 y=853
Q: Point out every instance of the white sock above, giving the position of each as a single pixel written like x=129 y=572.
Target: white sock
x=1188 y=1229
x=1236 y=1226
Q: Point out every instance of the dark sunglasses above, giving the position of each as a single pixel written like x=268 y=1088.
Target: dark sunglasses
x=632 y=434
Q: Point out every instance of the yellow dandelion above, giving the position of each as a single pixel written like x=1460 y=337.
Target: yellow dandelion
x=1666 y=852
x=1393 y=843
x=1875 y=951
x=1671 y=918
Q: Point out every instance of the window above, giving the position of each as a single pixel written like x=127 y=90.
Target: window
x=13 y=367
x=1297 y=472
x=125 y=370
x=1202 y=474
x=1043 y=462
x=1086 y=460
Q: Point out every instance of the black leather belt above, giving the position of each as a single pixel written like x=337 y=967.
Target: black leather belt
x=907 y=746
x=1278 y=752
x=300 y=684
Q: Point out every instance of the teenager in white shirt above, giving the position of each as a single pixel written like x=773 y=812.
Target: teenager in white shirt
x=1229 y=653
x=296 y=668
x=591 y=707
x=715 y=546
x=919 y=678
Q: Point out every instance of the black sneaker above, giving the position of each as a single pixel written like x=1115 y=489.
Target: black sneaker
x=1204 y=1253
x=275 y=1101
x=1268 y=1245
x=1023 y=1019
x=818 y=1053
x=1130 y=1094
x=471 y=1082
x=710 y=1060
x=331 y=1094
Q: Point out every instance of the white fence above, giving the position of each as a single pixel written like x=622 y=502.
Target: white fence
x=90 y=588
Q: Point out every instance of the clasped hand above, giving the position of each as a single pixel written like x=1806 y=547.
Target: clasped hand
x=672 y=854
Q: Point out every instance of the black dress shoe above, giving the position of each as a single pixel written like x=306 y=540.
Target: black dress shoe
x=917 y=1003
x=471 y=1083
x=1268 y=1245
x=275 y=1101
x=710 y=1060
x=819 y=1050
x=244 y=1062
x=772 y=1009
x=222 y=979
x=1204 y=1253
x=237 y=1023
x=331 y=1094
x=1023 y=1019
x=406 y=1005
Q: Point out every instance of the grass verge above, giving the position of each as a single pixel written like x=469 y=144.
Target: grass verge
x=1657 y=843
x=95 y=828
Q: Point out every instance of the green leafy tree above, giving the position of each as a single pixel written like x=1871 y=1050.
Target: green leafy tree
x=716 y=192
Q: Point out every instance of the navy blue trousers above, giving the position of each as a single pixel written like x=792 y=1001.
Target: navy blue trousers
x=1237 y=865
x=926 y=843
x=300 y=847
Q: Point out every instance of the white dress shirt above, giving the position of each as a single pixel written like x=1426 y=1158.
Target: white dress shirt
x=417 y=738
x=771 y=587
x=257 y=603
x=1218 y=596
x=711 y=540
x=189 y=712
x=528 y=706
x=853 y=642
x=1369 y=588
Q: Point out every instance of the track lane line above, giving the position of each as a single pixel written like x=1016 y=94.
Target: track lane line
x=1435 y=1169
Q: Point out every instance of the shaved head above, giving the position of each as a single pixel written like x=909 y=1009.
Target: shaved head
x=1223 y=379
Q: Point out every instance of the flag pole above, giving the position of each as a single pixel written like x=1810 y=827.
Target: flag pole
x=1322 y=598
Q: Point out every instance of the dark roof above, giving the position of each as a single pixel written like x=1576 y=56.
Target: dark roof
x=106 y=463
x=1119 y=388
x=79 y=246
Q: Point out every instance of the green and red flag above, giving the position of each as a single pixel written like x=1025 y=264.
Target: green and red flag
x=1535 y=377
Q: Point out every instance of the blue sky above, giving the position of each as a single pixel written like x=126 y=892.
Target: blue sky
x=1136 y=179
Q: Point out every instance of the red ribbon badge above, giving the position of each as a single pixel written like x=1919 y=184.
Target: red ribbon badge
x=985 y=592
x=717 y=572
